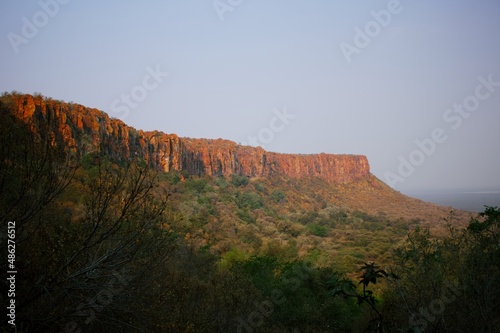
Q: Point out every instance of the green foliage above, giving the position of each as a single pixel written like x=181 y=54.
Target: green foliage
x=221 y=182
x=249 y=200
x=259 y=187
x=486 y=229
x=261 y=270
x=209 y=201
x=282 y=252
x=100 y=248
x=318 y=230
x=346 y=288
x=297 y=295
x=307 y=217
x=244 y=215
x=88 y=161
x=364 y=216
x=172 y=177
x=453 y=279
x=239 y=181
x=278 y=196
x=200 y=185
x=233 y=257
x=251 y=238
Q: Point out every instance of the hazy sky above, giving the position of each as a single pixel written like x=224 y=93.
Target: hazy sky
x=312 y=76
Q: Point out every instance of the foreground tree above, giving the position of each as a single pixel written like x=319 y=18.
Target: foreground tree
x=84 y=258
x=33 y=169
x=448 y=284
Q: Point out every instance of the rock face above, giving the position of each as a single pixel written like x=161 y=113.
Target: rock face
x=84 y=130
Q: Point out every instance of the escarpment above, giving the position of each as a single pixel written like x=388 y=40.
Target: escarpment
x=85 y=129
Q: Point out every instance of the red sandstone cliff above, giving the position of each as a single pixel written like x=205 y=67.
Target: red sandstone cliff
x=85 y=129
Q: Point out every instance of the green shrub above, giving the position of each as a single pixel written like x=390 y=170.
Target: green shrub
x=197 y=185
x=244 y=215
x=318 y=230
x=278 y=196
x=259 y=187
x=221 y=182
x=239 y=181
x=249 y=200
x=172 y=177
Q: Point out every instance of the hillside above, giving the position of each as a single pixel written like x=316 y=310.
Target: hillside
x=125 y=230
x=239 y=198
x=341 y=180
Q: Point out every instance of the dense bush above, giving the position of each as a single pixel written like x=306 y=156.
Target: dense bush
x=318 y=230
x=278 y=196
x=448 y=284
x=250 y=200
x=100 y=250
x=239 y=181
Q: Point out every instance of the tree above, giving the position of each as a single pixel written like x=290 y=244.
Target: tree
x=239 y=181
x=33 y=168
x=278 y=196
x=87 y=267
x=347 y=289
x=449 y=283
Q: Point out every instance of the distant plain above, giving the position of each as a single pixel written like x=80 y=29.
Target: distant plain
x=467 y=199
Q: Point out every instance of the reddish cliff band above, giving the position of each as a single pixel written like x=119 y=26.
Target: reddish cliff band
x=86 y=129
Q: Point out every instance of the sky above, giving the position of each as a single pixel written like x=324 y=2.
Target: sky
x=413 y=84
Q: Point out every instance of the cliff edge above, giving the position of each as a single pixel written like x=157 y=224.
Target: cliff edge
x=85 y=129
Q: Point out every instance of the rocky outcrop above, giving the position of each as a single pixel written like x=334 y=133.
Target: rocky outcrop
x=222 y=157
x=85 y=129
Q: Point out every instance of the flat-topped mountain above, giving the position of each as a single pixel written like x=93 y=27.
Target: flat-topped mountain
x=185 y=220
x=169 y=152
x=345 y=180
